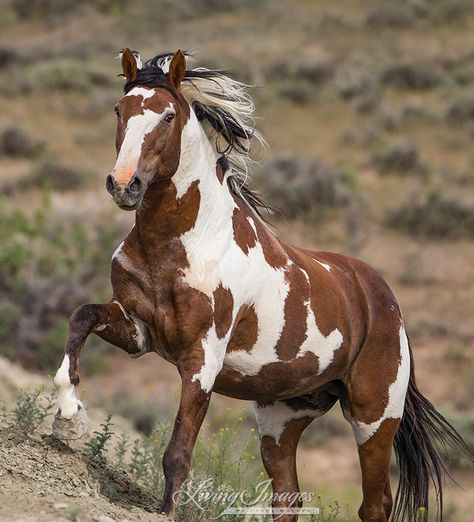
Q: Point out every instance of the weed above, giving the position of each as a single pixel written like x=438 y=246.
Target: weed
x=31 y=409
x=121 y=450
x=75 y=514
x=140 y=459
x=96 y=446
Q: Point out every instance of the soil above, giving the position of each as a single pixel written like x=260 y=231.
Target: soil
x=43 y=480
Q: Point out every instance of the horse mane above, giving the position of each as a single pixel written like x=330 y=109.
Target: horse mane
x=225 y=111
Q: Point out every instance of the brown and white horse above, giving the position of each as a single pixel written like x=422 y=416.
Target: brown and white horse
x=202 y=281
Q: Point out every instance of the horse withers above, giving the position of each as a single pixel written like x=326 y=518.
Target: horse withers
x=202 y=281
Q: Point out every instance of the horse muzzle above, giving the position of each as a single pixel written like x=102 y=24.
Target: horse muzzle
x=126 y=197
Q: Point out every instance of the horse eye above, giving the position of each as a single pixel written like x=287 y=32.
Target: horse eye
x=117 y=112
x=169 y=118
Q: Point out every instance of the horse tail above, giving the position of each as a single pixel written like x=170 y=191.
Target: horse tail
x=421 y=434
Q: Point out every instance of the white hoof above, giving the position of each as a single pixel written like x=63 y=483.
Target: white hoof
x=73 y=428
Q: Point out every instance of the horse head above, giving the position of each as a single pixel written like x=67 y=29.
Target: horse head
x=150 y=119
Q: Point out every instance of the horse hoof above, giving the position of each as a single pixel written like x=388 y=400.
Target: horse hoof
x=73 y=428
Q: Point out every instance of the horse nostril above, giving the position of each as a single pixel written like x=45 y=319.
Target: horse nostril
x=109 y=184
x=135 y=185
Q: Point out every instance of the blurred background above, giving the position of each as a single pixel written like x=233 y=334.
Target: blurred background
x=368 y=108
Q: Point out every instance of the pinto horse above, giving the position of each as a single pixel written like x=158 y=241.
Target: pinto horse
x=202 y=281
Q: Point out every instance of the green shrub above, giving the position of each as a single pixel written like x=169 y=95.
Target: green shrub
x=434 y=217
x=419 y=76
x=465 y=426
x=461 y=110
x=47 y=175
x=395 y=15
x=399 y=158
x=66 y=75
x=49 y=265
x=16 y=142
x=31 y=409
x=96 y=447
x=303 y=188
x=300 y=92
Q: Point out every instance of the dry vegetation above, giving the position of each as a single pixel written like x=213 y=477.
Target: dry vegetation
x=368 y=107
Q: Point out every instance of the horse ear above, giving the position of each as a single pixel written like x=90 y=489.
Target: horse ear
x=129 y=64
x=177 y=69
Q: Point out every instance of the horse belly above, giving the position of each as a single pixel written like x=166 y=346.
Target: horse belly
x=255 y=367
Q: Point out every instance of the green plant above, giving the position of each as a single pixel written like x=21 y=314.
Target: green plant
x=75 y=514
x=434 y=216
x=31 y=409
x=121 y=450
x=16 y=142
x=45 y=252
x=96 y=446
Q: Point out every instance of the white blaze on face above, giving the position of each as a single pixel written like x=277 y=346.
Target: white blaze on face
x=67 y=400
x=138 y=127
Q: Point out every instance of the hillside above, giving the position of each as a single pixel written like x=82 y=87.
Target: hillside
x=368 y=109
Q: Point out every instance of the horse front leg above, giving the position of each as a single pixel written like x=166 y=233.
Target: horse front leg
x=112 y=323
x=195 y=397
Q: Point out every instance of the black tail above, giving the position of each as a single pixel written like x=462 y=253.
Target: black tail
x=422 y=431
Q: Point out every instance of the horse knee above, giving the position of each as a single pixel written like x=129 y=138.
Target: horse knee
x=85 y=317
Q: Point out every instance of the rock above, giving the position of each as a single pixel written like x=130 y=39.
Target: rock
x=73 y=428
x=60 y=505
x=103 y=518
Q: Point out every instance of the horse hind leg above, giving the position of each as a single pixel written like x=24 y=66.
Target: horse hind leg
x=280 y=428
x=374 y=405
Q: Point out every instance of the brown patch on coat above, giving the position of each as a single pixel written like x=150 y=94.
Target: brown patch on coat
x=294 y=329
x=277 y=380
x=223 y=307
x=177 y=215
x=244 y=234
x=273 y=250
x=245 y=332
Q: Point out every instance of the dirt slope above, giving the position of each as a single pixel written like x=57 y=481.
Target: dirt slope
x=43 y=479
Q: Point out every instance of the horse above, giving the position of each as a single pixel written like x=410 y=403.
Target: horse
x=202 y=280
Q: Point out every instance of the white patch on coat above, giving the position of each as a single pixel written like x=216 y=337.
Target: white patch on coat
x=118 y=251
x=215 y=258
x=324 y=265
x=323 y=347
x=68 y=403
x=272 y=419
x=140 y=329
x=396 y=395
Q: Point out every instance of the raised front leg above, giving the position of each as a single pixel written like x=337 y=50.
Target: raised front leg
x=112 y=323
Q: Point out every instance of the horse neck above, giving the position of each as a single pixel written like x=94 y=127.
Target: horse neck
x=194 y=202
